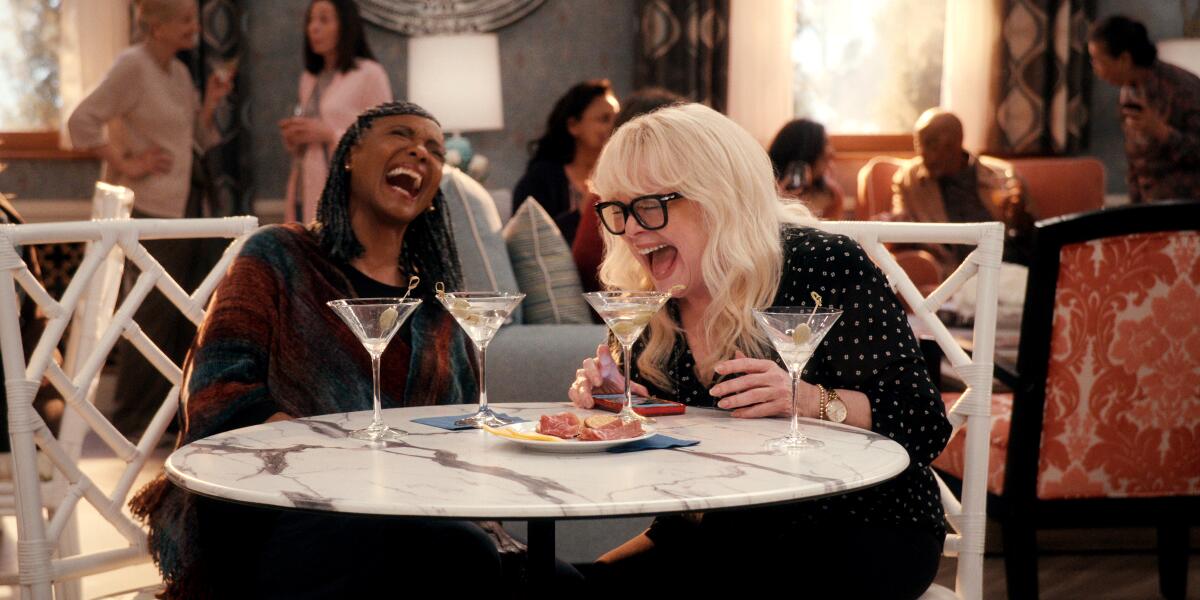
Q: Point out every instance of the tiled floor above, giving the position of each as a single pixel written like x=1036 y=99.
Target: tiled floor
x=95 y=533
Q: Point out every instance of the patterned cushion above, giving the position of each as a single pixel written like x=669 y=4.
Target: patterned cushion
x=953 y=458
x=544 y=267
x=476 y=226
x=1123 y=386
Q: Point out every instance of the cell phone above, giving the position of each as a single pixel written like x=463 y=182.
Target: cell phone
x=641 y=405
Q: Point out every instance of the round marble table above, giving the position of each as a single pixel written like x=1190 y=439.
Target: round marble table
x=311 y=464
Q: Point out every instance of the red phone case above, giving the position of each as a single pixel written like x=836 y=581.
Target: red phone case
x=657 y=408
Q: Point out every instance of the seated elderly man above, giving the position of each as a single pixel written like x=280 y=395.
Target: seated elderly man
x=947 y=184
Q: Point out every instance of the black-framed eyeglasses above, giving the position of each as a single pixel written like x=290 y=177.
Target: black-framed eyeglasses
x=650 y=211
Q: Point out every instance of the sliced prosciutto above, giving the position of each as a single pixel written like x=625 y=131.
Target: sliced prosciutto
x=563 y=425
x=616 y=430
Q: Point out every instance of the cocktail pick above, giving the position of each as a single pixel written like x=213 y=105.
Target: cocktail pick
x=389 y=316
x=803 y=332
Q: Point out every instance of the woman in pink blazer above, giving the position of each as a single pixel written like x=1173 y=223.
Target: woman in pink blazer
x=341 y=79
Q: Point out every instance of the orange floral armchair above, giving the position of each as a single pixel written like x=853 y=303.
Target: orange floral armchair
x=1103 y=428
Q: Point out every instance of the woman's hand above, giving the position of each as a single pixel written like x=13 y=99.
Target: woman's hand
x=298 y=131
x=153 y=161
x=220 y=83
x=764 y=389
x=1148 y=121
x=600 y=374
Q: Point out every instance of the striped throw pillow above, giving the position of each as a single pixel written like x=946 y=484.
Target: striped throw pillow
x=544 y=268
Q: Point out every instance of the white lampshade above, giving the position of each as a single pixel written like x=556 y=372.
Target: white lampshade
x=1182 y=52
x=457 y=78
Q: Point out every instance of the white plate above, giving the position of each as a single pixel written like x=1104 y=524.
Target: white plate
x=568 y=446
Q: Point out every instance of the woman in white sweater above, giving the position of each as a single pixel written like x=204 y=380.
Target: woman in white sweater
x=153 y=112
x=146 y=121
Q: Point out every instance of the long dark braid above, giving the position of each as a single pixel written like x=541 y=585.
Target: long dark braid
x=429 y=249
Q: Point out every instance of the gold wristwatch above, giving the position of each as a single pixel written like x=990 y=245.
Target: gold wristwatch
x=832 y=408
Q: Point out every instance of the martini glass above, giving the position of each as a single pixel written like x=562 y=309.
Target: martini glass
x=795 y=331
x=627 y=314
x=375 y=321
x=481 y=314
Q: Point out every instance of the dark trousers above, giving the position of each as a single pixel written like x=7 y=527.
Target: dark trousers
x=140 y=388
x=810 y=562
x=265 y=553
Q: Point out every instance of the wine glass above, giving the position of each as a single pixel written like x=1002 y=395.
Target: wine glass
x=481 y=314
x=795 y=331
x=627 y=314
x=375 y=321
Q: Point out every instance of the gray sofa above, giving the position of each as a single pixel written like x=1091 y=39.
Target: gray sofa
x=526 y=362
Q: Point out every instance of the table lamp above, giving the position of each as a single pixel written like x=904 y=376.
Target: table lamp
x=457 y=78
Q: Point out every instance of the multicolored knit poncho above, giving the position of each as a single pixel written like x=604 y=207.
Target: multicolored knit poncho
x=270 y=344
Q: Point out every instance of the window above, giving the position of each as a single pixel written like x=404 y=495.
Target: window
x=29 y=82
x=867 y=66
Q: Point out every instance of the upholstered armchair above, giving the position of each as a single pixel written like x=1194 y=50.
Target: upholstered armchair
x=1103 y=428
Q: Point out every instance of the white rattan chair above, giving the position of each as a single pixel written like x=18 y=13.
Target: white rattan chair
x=92 y=317
x=39 y=535
x=968 y=515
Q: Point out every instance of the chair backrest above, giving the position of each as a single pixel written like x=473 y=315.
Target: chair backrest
x=93 y=317
x=967 y=514
x=1110 y=401
x=1062 y=186
x=875 y=186
x=37 y=536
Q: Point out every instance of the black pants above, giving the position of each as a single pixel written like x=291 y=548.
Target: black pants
x=140 y=388
x=264 y=553
x=809 y=562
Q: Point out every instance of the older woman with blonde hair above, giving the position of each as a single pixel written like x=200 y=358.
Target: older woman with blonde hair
x=144 y=119
x=689 y=199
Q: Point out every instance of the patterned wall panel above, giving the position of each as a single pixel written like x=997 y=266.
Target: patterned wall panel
x=226 y=166
x=1045 y=77
x=683 y=46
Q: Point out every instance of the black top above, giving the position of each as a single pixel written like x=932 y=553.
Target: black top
x=960 y=196
x=870 y=349
x=547 y=182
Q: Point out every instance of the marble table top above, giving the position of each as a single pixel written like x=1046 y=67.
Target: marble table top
x=310 y=463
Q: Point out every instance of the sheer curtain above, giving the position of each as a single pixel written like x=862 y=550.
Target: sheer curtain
x=760 y=65
x=94 y=32
x=971 y=66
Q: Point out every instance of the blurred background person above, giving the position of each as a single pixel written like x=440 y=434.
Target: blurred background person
x=946 y=184
x=562 y=159
x=801 y=155
x=1160 y=111
x=588 y=247
x=340 y=80
x=157 y=118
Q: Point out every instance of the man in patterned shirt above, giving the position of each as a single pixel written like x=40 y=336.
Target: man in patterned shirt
x=1160 y=111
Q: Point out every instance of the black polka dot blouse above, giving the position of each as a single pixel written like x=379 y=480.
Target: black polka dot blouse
x=871 y=349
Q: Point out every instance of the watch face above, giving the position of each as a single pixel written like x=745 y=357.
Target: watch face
x=836 y=411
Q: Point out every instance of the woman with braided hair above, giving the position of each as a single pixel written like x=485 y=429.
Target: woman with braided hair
x=271 y=349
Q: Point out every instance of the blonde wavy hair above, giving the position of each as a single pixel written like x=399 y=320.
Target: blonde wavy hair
x=150 y=13
x=714 y=163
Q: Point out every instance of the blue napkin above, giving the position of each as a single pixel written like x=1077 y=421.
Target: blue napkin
x=448 y=422
x=654 y=443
